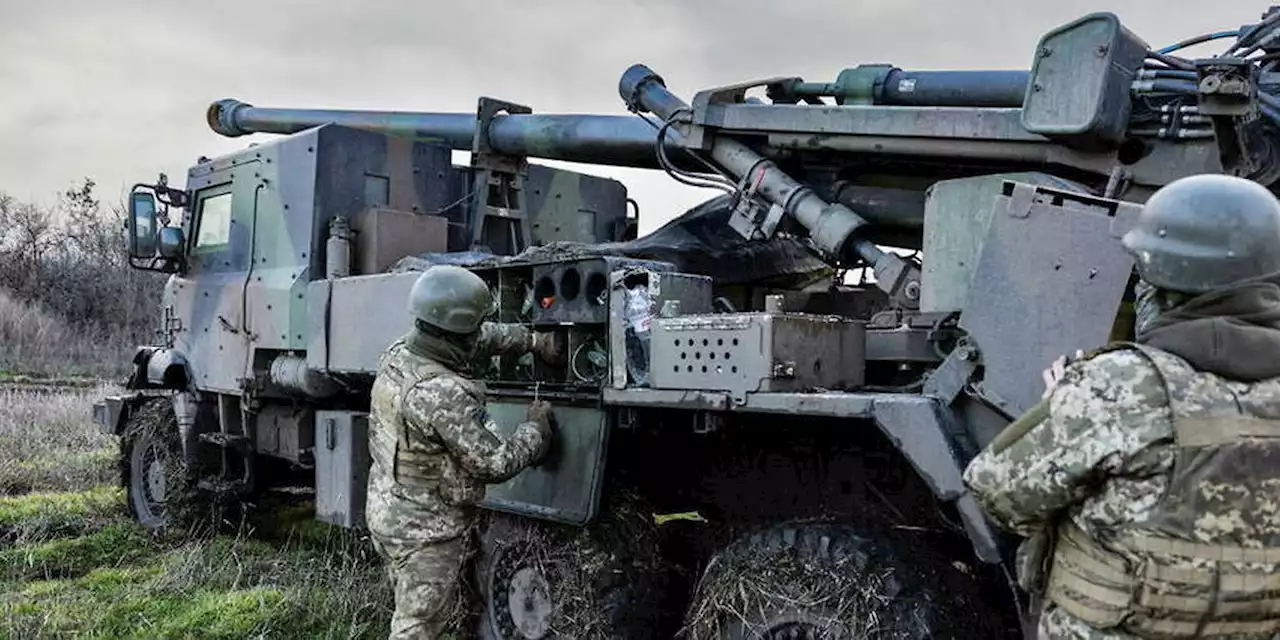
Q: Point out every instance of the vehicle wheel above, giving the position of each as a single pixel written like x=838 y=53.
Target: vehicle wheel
x=539 y=580
x=804 y=581
x=159 y=487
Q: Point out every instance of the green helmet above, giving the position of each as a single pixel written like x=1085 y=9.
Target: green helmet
x=1202 y=232
x=450 y=298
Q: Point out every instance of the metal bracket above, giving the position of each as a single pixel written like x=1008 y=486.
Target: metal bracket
x=753 y=217
x=706 y=101
x=171 y=325
x=1227 y=87
x=498 y=187
x=953 y=375
x=733 y=93
x=1227 y=92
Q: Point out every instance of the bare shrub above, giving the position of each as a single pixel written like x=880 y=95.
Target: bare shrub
x=73 y=303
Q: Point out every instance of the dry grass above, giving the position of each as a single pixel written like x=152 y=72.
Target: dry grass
x=606 y=581
x=34 y=340
x=49 y=443
x=72 y=564
x=819 y=569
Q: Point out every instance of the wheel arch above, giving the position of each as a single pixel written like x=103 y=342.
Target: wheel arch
x=160 y=368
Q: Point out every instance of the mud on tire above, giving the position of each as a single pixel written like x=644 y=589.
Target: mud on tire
x=542 y=580
x=831 y=581
x=160 y=488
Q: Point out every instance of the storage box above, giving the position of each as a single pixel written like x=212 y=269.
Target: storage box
x=383 y=236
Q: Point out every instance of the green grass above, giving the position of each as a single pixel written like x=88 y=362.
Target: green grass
x=74 y=565
x=120 y=582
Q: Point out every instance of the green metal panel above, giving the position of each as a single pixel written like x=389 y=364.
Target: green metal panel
x=566 y=486
x=957 y=214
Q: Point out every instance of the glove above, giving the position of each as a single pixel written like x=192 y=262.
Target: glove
x=540 y=415
x=549 y=346
x=1053 y=375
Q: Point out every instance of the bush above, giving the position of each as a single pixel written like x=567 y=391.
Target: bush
x=68 y=300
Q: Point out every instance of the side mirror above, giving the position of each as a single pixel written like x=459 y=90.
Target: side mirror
x=142 y=224
x=172 y=243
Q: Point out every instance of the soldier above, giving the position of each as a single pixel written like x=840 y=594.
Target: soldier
x=434 y=447
x=1153 y=469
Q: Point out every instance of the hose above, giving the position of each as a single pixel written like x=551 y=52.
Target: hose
x=676 y=174
x=1173 y=61
x=1197 y=40
x=1248 y=37
x=1164 y=86
x=1271 y=113
x=693 y=180
x=1168 y=73
x=1269 y=100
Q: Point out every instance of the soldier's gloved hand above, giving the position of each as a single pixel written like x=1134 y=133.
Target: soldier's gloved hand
x=550 y=346
x=539 y=414
x=1053 y=375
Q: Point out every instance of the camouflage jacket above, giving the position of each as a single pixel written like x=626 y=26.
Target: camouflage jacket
x=432 y=444
x=1156 y=480
x=1098 y=449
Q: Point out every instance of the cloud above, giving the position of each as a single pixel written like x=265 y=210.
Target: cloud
x=117 y=91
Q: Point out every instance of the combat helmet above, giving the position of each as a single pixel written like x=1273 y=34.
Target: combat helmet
x=450 y=298
x=1202 y=232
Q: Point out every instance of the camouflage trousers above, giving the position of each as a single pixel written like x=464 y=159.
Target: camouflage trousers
x=428 y=579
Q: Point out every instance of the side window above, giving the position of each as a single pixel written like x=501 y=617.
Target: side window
x=213 y=223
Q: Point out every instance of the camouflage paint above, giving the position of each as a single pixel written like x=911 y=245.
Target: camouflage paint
x=573 y=207
x=250 y=296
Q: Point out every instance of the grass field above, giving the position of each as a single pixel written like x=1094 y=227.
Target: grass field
x=72 y=564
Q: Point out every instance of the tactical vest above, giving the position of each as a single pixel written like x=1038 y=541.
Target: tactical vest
x=416 y=465
x=1207 y=561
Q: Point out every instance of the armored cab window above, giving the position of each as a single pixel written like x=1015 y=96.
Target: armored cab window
x=214 y=222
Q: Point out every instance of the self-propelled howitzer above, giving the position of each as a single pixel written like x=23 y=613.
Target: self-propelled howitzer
x=809 y=428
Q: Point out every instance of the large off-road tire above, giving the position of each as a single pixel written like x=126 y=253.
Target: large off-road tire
x=160 y=488
x=539 y=580
x=802 y=581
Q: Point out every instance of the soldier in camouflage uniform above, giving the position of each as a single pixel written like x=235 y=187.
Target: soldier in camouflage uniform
x=434 y=447
x=1148 y=480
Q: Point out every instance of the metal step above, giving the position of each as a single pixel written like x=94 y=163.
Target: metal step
x=222 y=487
x=227 y=440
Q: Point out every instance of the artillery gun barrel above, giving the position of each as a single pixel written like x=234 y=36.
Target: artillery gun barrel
x=619 y=140
x=625 y=141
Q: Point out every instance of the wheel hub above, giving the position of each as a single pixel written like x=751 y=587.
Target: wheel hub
x=519 y=598
x=529 y=602
x=792 y=631
x=803 y=627
x=155 y=480
x=149 y=479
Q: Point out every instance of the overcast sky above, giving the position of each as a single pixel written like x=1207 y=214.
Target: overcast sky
x=117 y=90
